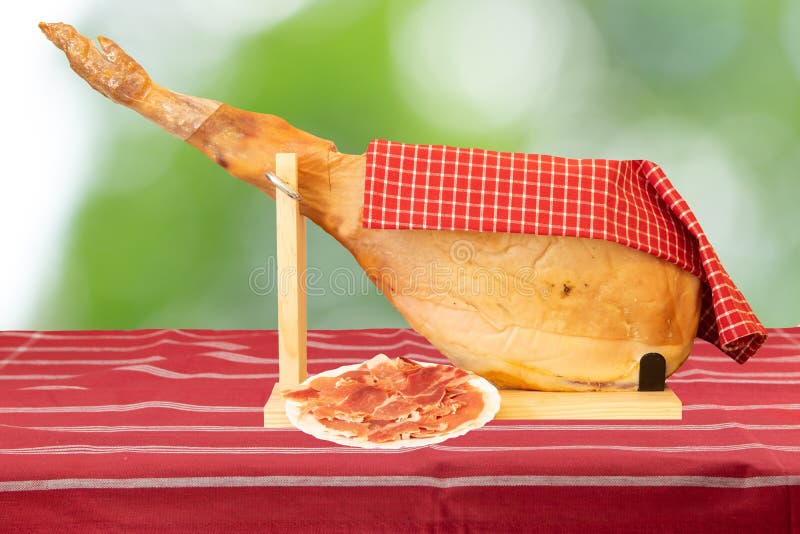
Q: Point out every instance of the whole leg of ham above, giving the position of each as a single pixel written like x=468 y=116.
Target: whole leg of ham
x=581 y=321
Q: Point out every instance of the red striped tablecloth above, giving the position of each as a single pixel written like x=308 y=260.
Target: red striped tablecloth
x=148 y=430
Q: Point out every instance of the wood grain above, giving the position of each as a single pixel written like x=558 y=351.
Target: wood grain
x=275 y=410
x=518 y=404
x=543 y=405
x=291 y=248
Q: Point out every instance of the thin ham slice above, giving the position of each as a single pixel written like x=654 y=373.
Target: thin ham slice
x=347 y=427
x=421 y=380
x=363 y=400
x=380 y=431
x=395 y=407
x=390 y=399
x=465 y=408
x=324 y=383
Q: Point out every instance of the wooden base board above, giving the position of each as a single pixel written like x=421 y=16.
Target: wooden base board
x=274 y=412
x=518 y=404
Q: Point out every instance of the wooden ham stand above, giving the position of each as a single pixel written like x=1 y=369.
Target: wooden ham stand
x=659 y=402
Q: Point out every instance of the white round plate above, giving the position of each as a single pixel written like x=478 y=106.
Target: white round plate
x=310 y=425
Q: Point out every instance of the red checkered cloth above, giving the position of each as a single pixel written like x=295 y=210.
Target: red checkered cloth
x=630 y=202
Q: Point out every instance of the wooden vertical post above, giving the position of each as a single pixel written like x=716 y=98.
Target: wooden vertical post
x=291 y=283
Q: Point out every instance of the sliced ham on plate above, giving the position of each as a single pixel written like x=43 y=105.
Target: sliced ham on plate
x=391 y=403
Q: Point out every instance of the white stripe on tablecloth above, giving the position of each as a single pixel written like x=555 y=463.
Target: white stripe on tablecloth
x=36 y=377
x=321 y=335
x=245 y=358
x=403 y=481
x=757 y=374
x=627 y=448
x=131 y=407
x=177 y=449
x=380 y=348
x=333 y=334
x=384 y=335
x=391 y=334
x=491 y=428
x=78 y=336
x=20 y=349
x=174 y=375
x=725 y=360
x=312 y=361
x=216 y=336
x=141 y=428
x=417 y=356
x=649 y=428
x=194 y=335
x=49 y=388
x=795 y=346
x=168 y=405
x=129 y=361
x=679 y=380
x=239 y=358
x=223 y=345
x=734 y=407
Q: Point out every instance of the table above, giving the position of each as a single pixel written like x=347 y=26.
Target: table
x=162 y=429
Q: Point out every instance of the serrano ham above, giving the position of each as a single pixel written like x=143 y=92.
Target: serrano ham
x=385 y=401
x=617 y=303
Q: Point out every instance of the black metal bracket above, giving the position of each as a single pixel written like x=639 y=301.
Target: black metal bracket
x=652 y=372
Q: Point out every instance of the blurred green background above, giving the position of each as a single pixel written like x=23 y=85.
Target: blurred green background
x=164 y=238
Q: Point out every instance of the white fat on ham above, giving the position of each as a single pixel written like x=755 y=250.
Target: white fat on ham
x=377 y=361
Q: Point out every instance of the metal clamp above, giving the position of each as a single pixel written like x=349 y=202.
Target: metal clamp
x=283 y=186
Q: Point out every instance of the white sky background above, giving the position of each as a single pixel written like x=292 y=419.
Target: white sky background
x=48 y=116
x=44 y=157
